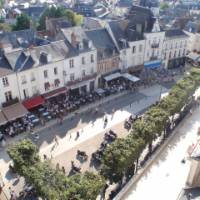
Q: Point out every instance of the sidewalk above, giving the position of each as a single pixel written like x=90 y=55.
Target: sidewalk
x=69 y=116
x=149 y=96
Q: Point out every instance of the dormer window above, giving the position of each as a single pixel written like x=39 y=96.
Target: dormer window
x=80 y=46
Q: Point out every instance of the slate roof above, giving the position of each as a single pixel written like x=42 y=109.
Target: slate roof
x=60 y=22
x=34 y=11
x=18 y=38
x=23 y=39
x=84 y=9
x=141 y=15
x=125 y=3
x=193 y=27
x=175 y=33
x=103 y=42
x=34 y=57
x=123 y=32
x=80 y=35
x=5 y=68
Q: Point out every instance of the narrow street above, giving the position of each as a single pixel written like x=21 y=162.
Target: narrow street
x=168 y=173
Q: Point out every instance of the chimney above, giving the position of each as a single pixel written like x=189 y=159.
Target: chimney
x=73 y=40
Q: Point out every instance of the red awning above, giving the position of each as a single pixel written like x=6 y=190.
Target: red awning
x=55 y=92
x=33 y=102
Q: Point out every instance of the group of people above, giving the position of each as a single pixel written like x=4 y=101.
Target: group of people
x=151 y=76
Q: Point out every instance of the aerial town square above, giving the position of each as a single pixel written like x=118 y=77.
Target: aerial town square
x=100 y=100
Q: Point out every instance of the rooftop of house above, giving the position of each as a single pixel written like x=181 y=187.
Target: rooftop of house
x=34 y=57
x=85 y=9
x=123 y=32
x=141 y=15
x=175 y=33
x=34 y=11
x=20 y=39
x=103 y=42
x=77 y=38
x=125 y=3
x=61 y=22
x=192 y=27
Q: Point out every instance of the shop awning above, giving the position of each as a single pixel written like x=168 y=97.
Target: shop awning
x=112 y=76
x=193 y=56
x=153 y=64
x=3 y=120
x=100 y=91
x=33 y=102
x=55 y=92
x=14 y=111
x=130 y=77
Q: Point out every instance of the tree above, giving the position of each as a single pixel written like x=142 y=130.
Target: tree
x=22 y=23
x=158 y=116
x=5 y=27
x=145 y=130
x=23 y=154
x=53 y=12
x=120 y=156
x=84 y=186
x=51 y=183
x=115 y=160
x=164 y=6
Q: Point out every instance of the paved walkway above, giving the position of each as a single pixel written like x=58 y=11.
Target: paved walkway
x=167 y=172
x=89 y=130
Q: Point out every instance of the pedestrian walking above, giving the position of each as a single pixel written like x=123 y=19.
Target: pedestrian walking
x=130 y=105
x=45 y=157
x=113 y=112
x=70 y=135
x=56 y=140
x=63 y=169
x=57 y=166
x=77 y=135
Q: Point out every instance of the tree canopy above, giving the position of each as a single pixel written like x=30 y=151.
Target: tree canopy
x=164 y=5
x=22 y=23
x=5 y=27
x=52 y=183
x=121 y=154
x=57 y=12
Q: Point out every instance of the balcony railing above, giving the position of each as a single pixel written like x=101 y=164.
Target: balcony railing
x=155 y=45
x=85 y=78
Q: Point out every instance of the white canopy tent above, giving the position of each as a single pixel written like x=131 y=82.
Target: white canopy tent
x=193 y=56
x=112 y=76
x=130 y=77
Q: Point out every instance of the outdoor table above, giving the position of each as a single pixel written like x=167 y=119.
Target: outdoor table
x=41 y=109
x=45 y=114
x=35 y=121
